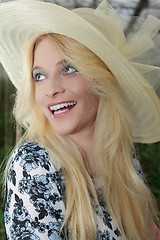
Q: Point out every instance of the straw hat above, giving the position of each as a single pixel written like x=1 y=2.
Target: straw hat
x=101 y=31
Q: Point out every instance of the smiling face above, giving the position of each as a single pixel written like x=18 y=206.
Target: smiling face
x=61 y=91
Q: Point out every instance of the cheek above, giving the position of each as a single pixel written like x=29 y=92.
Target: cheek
x=92 y=102
x=38 y=96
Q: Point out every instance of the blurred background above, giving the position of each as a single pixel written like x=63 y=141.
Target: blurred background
x=149 y=155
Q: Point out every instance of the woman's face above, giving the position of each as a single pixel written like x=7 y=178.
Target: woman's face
x=61 y=91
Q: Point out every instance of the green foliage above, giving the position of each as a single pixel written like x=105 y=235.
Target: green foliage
x=7 y=138
x=2 y=230
x=149 y=156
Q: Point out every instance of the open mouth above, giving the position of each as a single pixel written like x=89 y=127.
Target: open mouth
x=62 y=107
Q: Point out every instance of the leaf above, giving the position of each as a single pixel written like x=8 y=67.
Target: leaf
x=109 y=225
x=42 y=215
x=25 y=174
x=46 y=167
x=18 y=200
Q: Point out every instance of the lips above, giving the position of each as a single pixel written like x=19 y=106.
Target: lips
x=61 y=108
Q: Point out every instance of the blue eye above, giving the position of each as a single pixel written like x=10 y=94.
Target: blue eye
x=37 y=76
x=69 y=69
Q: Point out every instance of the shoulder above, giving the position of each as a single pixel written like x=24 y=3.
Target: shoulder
x=30 y=156
x=31 y=163
x=32 y=149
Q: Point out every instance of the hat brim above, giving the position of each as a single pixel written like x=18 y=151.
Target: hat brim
x=24 y=20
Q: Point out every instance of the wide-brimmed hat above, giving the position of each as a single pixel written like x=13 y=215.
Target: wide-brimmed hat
x=102 y=32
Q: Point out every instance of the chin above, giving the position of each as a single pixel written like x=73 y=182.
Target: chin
x=64 y=132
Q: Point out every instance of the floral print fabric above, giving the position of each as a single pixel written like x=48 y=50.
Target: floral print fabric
x=35 y=205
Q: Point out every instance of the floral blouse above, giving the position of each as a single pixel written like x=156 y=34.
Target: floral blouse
x=35 y=205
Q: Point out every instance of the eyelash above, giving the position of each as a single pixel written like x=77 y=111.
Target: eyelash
x=38 y=74
x=63 y=72
x=68 y=67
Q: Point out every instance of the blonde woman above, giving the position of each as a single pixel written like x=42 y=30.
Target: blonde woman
x=81 y=105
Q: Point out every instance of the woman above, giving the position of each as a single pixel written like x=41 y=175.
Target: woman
x=82 y=105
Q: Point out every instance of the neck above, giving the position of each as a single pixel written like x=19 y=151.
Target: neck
x=84 y=140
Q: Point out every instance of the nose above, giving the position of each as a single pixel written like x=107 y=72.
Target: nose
x=54 y=87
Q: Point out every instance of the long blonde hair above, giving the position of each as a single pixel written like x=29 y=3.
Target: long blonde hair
x=127 y=198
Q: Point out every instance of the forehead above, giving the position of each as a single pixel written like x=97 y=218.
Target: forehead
x=47 y=51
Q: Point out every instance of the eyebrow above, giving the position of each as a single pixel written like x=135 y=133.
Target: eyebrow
x=62 y=62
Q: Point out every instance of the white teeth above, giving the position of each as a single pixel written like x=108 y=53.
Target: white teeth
x=65 y=104
x=62 y=105
x=60 y=111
